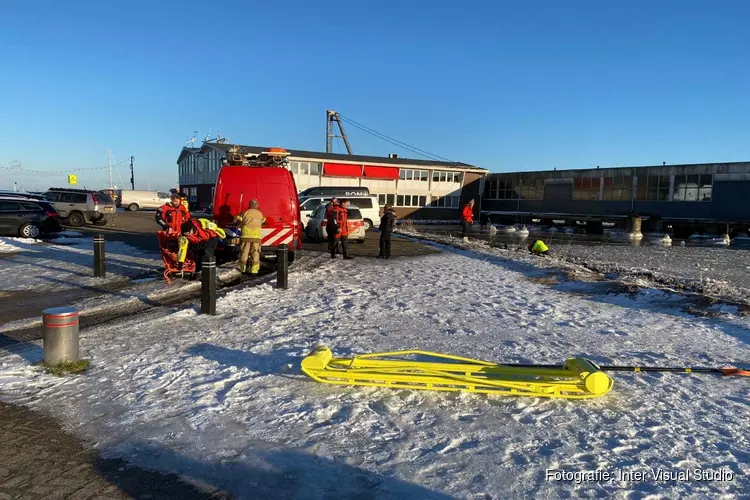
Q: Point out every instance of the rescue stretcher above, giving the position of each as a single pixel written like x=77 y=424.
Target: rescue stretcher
x=578 y=378
x=168 y=245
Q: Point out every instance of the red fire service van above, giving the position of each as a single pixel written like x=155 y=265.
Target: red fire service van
x=262 y=177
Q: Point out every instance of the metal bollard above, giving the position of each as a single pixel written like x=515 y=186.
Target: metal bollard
x=282 y=267
x=60 y=333
x=208 y=285
x=100 y=266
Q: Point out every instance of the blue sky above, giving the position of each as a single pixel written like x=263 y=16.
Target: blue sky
x=503 y=85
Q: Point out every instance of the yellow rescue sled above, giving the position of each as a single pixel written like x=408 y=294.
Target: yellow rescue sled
x=578 y=378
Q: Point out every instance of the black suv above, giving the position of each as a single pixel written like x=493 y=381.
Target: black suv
x=27 y=216
x=80 y=206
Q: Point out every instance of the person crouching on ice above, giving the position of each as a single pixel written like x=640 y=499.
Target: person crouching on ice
x=539 y=248
x=202 y=236
x=250 y=222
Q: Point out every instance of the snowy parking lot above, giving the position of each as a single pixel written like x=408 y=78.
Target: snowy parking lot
x=221 y=399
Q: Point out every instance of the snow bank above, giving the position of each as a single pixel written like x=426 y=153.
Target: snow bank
x=15 y=245
x=221 y=399
x=49 y=267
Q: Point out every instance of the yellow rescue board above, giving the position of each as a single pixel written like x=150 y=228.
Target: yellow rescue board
x=579 y=378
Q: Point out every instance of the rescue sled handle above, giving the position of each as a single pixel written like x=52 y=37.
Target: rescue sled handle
x=669 y=369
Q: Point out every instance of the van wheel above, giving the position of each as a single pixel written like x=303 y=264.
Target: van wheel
x=368 y=224
x=360 y=242
x=76 y=219
x=133 y=207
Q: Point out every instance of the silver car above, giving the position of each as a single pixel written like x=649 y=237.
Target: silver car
x=317 y=222
x=80 y=206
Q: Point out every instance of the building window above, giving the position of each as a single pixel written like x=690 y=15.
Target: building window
x=315 y=169
x=445 y=202
x=586 y=188
x=532 y=189
x=406 y=174
x=441 y=176
x=618 y=188
x=692 y=187
x=653 y=188
x=410 y=200
x=501 y=189
x=294 y=167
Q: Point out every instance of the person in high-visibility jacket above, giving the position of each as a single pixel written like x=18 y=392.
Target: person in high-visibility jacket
x=539 y=248
x=340 y=214
x=467 y=219
x=202 y=236
x=185 y=202
x=250 y=223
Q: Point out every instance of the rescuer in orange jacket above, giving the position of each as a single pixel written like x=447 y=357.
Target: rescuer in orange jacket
x=340 y=214
x=202 y=235
x=170 y=216
x=467 y=219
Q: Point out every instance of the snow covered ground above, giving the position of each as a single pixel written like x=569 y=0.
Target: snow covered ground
x=67 y=261
x=717 y=272
x=222 y=400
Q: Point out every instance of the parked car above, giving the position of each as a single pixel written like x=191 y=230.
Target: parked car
x=27 y=217
x=79 y=206
x=316 y=225
x=138 y=200
x=368 y=206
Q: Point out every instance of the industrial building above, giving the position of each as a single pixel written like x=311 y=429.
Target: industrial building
x=704 y=195
x=423 y=189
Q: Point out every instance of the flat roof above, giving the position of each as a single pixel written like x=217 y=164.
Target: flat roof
x=297 y=153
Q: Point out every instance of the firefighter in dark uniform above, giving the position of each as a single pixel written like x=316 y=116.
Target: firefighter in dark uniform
x=387 y=221
x=171 y=216
x=202 y=236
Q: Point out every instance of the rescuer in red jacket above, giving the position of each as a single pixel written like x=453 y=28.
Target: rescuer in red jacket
x=340 y=214
x=170 y=216
x=467 y=219
x=202 y=236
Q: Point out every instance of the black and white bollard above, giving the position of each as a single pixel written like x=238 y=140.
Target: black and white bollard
x=100 y=266
x=60 y=335
x=282 y=267
x=208 y=285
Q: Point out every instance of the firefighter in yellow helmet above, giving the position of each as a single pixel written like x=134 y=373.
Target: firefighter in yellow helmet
x=250 y=222
x=539 y=248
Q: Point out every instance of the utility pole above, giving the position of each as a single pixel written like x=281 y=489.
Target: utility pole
x=109 y=159
x=333 y=116
x=132 y=177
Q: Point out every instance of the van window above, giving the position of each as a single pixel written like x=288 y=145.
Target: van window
x=162 y=195
x=311 y=204
x=362 y=202
x=50 y=196
x=353 y=213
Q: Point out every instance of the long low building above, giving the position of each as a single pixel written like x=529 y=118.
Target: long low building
x=422 y=189
x=679 y=194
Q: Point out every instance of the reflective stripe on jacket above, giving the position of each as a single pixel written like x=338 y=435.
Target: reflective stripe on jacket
x=539 y=247
x=251 y=221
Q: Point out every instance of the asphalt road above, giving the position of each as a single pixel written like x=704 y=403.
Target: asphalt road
x=138 y=229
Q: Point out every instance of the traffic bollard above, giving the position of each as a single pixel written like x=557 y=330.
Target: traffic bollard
x=100 y=266
x=208 y=285
x=60 y=335
x=282 y=267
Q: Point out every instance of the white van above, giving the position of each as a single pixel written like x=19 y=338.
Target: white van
x=138 y=200
x=367 y=205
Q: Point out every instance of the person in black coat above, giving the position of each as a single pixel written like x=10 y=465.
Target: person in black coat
x=387 y=221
